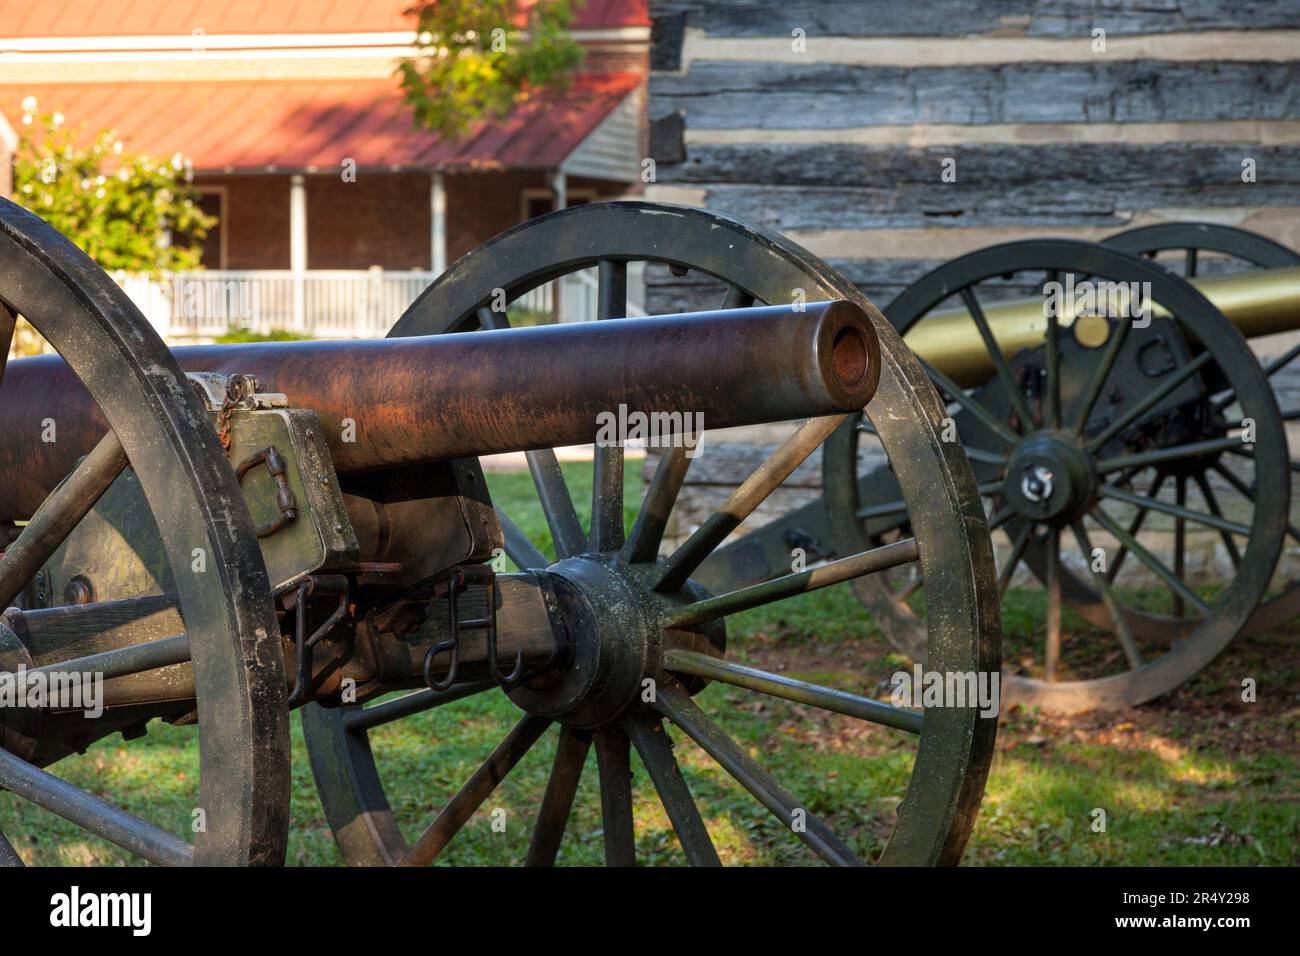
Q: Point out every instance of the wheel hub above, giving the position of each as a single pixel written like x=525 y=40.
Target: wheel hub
x=616 y=642
x=1050 y=478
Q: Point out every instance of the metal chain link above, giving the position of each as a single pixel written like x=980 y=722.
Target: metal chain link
x=237 y=389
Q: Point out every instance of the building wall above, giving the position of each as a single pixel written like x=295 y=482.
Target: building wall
x=480 y=205
x=841 y=144
x=255 y=223
x=381 y=219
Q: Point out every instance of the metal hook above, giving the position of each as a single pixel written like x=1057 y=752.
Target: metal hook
x=453 y=644
x=452 y=668
x=304 y=644
x=490 y=622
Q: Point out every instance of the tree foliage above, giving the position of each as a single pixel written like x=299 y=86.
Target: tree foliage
x=480 y=58
x=122 y=209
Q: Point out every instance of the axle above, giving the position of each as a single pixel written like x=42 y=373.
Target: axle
x=386 y=403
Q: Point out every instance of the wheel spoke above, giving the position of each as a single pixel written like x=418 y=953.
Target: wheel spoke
x=778 y=589
x=61 y=512
x=1270 y=369
x=647 y=534
x=971 y=404
x=613 y=759
x=1144 y=459
x=1151 y=561
x=607 y=460
x=1136 y=524
x=656 y=751
x=1178 y=511
x=674 y=571
x=557 y=506
x=607 y=499
x=476 y=789
x=903 y=596
x=737 y=298
x=1053 y=357
x=787 y=688
x=8 y=322
x=561 y=787
x=1226 y=474
x=1001 y=517
x=985 y=457
x=488 y=319
x=1212 y=502
x=1180 y=540
x=1013 y=559
x=1052 y=655
x=367 y=718
x=1004 y=372
x=519 y=549
x=8 y=855
x=1282 y=361
x=1098 y=381
x=92 y=814
x=1122 y=630
x=1152 y=399
x=675 y=704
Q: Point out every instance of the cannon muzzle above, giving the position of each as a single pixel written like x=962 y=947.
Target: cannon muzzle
x=385 y=403
x=1259 y=302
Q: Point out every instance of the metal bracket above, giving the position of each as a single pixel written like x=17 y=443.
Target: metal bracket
x=274 y=461
x=452 y=584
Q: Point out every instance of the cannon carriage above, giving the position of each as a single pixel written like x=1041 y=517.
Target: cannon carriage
x=221 y=534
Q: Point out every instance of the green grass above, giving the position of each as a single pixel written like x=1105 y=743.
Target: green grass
x=238 y=336
x=1196 y=778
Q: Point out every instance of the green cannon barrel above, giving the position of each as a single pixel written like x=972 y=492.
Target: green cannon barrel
x=1259 y=302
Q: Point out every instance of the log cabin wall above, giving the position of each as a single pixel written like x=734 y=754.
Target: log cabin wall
x=831 y=122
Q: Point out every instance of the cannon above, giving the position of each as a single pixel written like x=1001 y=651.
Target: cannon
x=1083 y=423
x=217 y=535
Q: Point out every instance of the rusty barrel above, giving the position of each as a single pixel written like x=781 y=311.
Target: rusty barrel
x=384 y=403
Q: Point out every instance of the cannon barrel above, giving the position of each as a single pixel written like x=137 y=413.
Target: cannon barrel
x=437 y=397
x=1259 y=302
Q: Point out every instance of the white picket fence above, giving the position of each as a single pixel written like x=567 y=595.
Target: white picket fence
x=322 y=303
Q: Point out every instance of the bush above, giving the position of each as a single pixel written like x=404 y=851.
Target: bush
x=237 y=335
x=124 y=210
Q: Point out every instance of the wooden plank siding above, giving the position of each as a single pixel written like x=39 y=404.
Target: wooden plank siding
x=731 y=95
x=840 y=145
x=1032 y=18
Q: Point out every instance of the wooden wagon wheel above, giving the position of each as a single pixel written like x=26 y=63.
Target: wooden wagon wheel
x=1068 y=458
x=1188 y=241
x=152 y=424
x=953 y=744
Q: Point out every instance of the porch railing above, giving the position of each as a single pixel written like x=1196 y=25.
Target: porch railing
x=321 y=303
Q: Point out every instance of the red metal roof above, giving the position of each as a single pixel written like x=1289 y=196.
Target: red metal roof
x=293 y=124
x=86 y=18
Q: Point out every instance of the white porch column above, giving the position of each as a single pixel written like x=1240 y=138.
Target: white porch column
x=298 y=248
x=437 y=222
x=559 y=189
